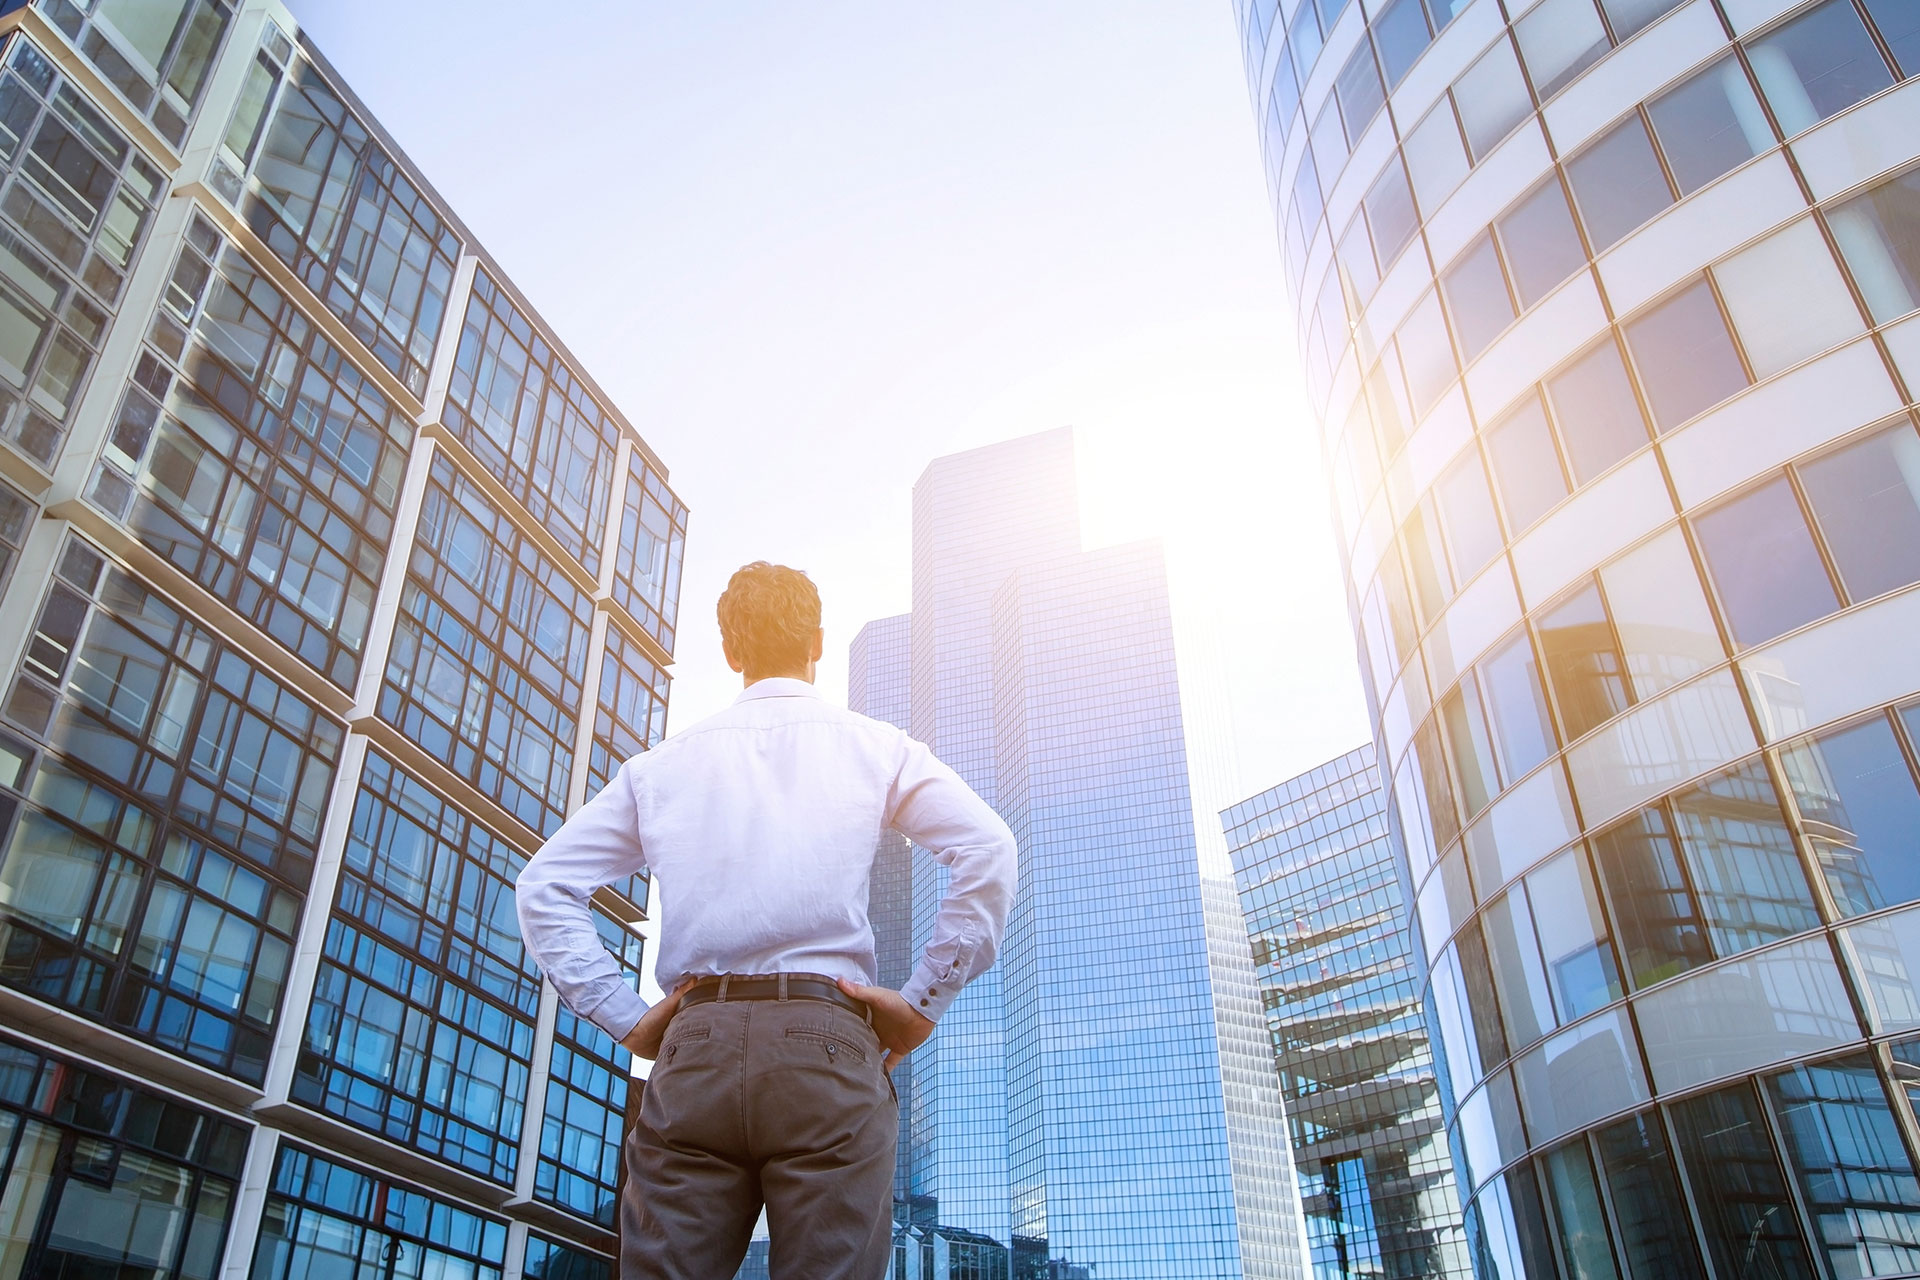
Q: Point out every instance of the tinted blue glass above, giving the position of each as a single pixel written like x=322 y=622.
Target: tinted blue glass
x=1763 y=562
x=1685 y=356
x=1861 y=813
x=1818 y=65
x=1401 y=34
x=1745 y=1211
x=1899 y=24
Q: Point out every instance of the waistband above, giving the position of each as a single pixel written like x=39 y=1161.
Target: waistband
x=773 y=986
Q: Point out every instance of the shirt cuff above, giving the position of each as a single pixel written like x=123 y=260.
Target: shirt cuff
x=930 y=991
x=620 y=1013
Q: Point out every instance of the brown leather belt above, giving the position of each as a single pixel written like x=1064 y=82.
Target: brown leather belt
x=776 y=986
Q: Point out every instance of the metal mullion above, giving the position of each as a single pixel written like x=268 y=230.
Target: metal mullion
x=1880 y=42
x=1589 y=1140
x=1662 y=1116
x=1820 y=547
x=1809 y=1230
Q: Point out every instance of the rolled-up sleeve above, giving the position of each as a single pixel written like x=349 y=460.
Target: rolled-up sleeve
x=596 y=846
x=936 y=810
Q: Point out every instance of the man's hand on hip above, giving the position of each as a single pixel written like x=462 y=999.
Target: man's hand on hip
x=644 y=1040
x=899 y=1025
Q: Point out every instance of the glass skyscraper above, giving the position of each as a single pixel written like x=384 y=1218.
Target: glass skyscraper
x=1072 y=1105
x=1326 y=913
x=331 y=583
x=1606 y=309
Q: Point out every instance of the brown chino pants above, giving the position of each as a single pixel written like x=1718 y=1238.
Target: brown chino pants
x=751 y=1102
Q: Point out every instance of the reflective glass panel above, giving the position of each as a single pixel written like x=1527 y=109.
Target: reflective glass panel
x=1472 y=753
x=1583 y=661
x=1580 y=968
x=1575 y=1195
x=1787 y=299
x=1750 y=1223
x=1359 y=92
x=1436 y=156
x=1559 y=39
x=1665 y=628
x=1426 y=354
x=1618 y=183
x=1492 y=98
x=1866 y=500
x=1515 y=953
x=1818 y=65
x=1661 y=933
x=1685 y=356
x=1629 y=17
x=1522 y=730
x=1656 y=1238
x=1879 y=235
x=1477 y=298
x=1526 y=466
x=1853 y=1169
x=1747 y=876
x=1542 y=247
x=1709 y=124
x=1390 y=214
x=1899 y=23
x=1307 y=202
x=1401 y=32
x=1599 y=417
x=1860 y=812
x=1466 y=510
x=1304 y=40
x=1764 y=564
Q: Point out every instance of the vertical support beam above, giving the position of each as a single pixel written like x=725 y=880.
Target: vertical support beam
x=256 y=1179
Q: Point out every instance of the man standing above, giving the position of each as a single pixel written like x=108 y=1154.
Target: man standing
x=772 y=1052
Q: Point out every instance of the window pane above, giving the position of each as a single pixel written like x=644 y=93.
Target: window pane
x=1541 y=244
x=1329 y=141
x=1631 y=16
x=1787 y=299
x=1818 y=65
x=1685 y=356
x=1432 y=585
x=1747 y=876
x=1477 y=297
x=1303 y=40
x=1749 y=1221
x=1583 y=662
x=1598 y=413
x=1517 y=972
x=1661 y=933
x=1525 y=464
x=1764 y=565
x=1861 y=814
x=1655 y=1237
x=1852 y=1166
x=1709 y=124
x=1355 y=255
x=1358 y=89
x=1492 y=97
x=1666 y=630
x=1559 y=39
x=1307 y=203
x=1522 y=732
x=1866 y=500
x=1426 y=353
x=1436 y=156
x=1466 y=511
x=1401 y=33
x=1618 y=184
x=1879 y=235
x=1899 y=23
x=1390 y=213
x=1583 y=1222
x=1472 y=753
x=1573 y=937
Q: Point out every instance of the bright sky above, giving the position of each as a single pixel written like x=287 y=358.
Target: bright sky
x=808 y=248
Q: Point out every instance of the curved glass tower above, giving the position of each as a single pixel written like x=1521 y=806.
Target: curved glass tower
x=1606 y=309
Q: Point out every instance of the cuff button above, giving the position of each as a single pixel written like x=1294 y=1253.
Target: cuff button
x=932 y=991
x=923 y=1004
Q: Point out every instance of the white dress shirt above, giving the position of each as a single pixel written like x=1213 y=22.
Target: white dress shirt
x=759 y=826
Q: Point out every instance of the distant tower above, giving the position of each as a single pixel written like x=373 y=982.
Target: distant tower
x=1073 y=1102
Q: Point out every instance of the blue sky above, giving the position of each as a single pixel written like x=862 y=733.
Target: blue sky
x=808 y=248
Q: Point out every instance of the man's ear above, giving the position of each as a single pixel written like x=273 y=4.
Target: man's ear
x=732 y=662
x=819 y=643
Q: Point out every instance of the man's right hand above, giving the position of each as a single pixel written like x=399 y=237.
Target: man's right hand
x=899 y=1025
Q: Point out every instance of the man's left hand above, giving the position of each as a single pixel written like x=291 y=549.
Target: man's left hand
x=644 y=1040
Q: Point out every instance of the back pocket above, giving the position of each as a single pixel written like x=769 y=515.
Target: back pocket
x=835 y=1045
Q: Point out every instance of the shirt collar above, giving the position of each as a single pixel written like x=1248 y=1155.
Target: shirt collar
x=778 y=687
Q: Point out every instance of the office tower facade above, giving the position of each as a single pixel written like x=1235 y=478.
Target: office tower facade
x=1325 y=910
x=1072 y=1107
x=332 y=583
x=1606 y=310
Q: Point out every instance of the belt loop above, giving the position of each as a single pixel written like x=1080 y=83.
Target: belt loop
x=725 y=978
x=783 y=987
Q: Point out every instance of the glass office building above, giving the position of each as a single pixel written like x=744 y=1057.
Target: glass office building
x=1326 y=913
x=1102 y=1101
x=1606 y=311
x=331 y=583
